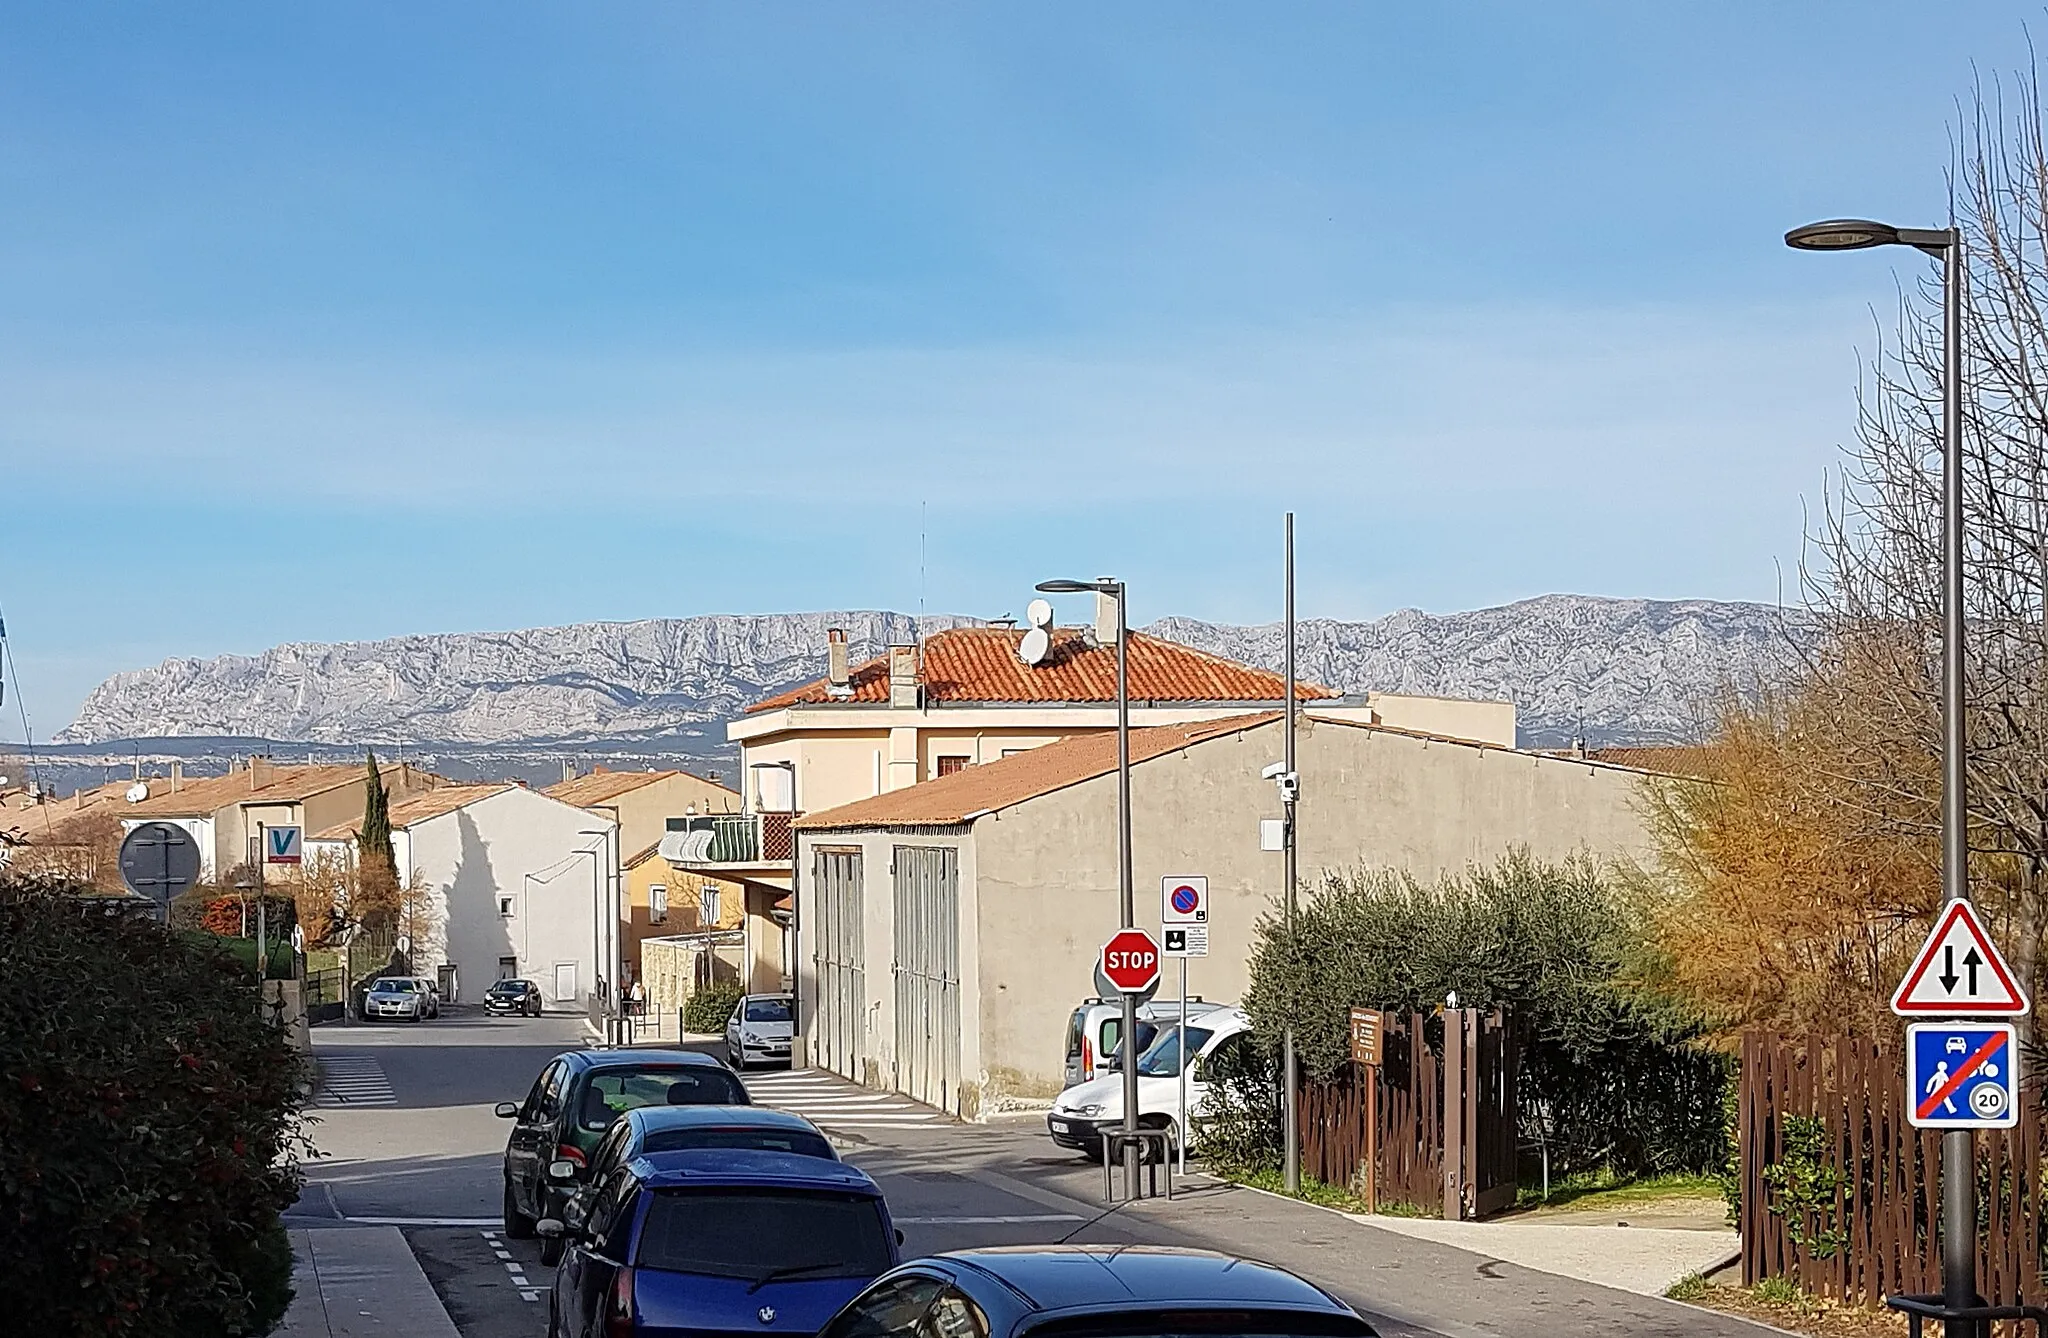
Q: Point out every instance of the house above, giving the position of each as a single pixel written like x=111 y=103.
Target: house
x=663 y=901
x=948 y=929
x=516 y=886
x=223 y=813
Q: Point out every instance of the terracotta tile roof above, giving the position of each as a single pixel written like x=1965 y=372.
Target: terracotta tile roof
x=993 y=785
x=203 y=796
x=603 y=786
x=1669 y=761
x=980 y=664
x=408 y=812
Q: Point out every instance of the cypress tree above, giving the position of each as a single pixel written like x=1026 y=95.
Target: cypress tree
x=377 y=860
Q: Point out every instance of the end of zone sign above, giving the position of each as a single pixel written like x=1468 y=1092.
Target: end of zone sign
x=1959 y=972
x=1962 y=1075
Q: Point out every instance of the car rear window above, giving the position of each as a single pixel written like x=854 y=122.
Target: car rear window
x=764 y=1234
x=765 y=1140
x=610 y=1093
x=768 y=1010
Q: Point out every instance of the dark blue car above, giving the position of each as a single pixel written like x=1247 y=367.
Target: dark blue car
x=1094 y=1291
x=719 y=1239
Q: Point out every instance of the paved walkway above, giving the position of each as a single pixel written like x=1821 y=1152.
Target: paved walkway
x=831 y=1102
x=1643 y=1260
x=352 y=1282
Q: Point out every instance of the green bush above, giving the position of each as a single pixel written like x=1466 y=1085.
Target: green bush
x=1611 y=1075
x=707 y=1010
x=149 y=1128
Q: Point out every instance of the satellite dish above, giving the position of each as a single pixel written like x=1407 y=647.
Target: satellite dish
x=1036 y=645
x=136 y=793
x=1039 y=613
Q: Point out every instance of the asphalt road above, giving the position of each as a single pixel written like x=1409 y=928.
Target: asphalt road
x=416 y=1145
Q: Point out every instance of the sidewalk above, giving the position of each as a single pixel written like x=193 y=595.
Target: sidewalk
x=1643 y=1260
x=355 y=1281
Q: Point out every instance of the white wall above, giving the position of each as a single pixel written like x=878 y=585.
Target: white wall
x=522 y=845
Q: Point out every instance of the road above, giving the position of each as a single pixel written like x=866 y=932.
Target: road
x=407 y=1138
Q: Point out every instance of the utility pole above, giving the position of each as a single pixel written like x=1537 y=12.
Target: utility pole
x=1289 y=789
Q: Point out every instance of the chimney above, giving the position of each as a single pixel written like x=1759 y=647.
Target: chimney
x=177 y=775
x=838 y=677
x=1105 y=619
x=568 y=769
x=903 y=678
x=259 y=772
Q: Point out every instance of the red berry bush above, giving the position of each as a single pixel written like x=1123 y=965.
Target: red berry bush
x=149 y=1128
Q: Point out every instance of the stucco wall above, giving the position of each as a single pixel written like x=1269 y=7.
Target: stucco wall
x=643 y=812
x=684 y=886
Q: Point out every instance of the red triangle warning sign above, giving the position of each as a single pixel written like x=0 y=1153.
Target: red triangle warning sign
x=1959 y=973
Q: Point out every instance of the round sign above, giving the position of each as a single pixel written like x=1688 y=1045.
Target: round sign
x=1130 y=960
x=1186 y=899
x=1987 y=1099
x=1105 y=990
x=159 y=860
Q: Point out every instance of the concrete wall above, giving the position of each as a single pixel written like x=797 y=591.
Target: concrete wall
x=643 y=812
x=472 y=857
x=1039 y=886
x=1482 y=722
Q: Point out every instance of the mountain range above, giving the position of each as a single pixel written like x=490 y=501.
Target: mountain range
x=1608 y=670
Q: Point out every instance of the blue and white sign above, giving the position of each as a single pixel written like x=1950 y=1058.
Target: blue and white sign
x=281 y=845
x=1962 y=1075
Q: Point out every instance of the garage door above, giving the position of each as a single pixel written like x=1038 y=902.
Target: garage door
x=927 y=970
x=836 y=950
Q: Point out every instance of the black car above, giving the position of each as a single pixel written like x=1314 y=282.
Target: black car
x=1094 y=1291
x=513 y=996
x=575 y=1100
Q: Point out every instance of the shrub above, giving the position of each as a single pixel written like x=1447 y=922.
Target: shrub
x=149 y=1129
x=708 y=1009
x=224 y=916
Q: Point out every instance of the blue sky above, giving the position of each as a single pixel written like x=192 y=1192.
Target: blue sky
x=337 y=322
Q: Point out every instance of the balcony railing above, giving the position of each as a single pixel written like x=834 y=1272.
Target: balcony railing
x=733 y=838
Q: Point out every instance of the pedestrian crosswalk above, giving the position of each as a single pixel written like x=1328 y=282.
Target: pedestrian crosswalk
x=353 y=1080
x=831 y=1102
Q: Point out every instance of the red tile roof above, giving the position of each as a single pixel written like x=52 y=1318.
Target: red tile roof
x=980 y=664
x=994 y=785
x=418 y=809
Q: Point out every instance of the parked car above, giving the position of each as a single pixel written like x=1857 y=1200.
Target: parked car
x=718 y=1241
x=1095 y=1032
x=572 y=1105
x=513 y=996
x=1082 y=1112
x=760 y=1030
x=652 y=1129
x=400 y=996
x=1101 y=1291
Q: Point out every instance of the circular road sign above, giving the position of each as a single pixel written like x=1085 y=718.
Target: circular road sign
x=159 y=860
x=1130 y=961
x=1186 y=900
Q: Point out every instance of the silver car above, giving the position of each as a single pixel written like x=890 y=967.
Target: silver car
x=408 y=997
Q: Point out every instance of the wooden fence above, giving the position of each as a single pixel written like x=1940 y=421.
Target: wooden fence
x=1872 y=1229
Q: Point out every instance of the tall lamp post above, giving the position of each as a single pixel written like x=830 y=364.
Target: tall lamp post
x=1114 y=588
x=1958 y=1160
x=599 y=905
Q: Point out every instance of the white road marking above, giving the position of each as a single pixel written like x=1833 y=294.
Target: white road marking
x=988 y=1221
x=831 y=1101
x=353 y=1080
x=426 y=1221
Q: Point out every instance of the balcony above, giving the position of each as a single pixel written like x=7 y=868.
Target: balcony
x=730 y=840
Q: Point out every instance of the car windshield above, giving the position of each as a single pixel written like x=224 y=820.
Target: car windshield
x=395 y=987
x=613 y=1092
x=768 y=1010
x=735 y=1233
x=765 y=1140
x=1163 y=1059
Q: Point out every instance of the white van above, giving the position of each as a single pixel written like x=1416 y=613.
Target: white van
x=1083 y=1111
x=1095 y=1032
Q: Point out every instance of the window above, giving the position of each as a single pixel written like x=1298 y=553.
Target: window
x=759 y=1234
x=613 y=1092
x=657 y=904
x=505 y=908
x=760 y=1140
x=508 y=968
x=707 y=905
x=952 y=762
x=1162 y=1060
x=954 y=1317
x=895 y=1309
x=770 y=1008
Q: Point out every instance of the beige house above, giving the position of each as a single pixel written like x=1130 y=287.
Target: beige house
x=663 y=901
x=643 y=803
x=947 y=930
x=223 y=812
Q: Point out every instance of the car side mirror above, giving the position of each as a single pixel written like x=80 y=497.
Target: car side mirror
x=561 y=1170
x=506 y=1110
x=550 y=1228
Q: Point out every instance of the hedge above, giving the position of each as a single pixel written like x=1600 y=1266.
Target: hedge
x=707 y=1011
x=149 y=1128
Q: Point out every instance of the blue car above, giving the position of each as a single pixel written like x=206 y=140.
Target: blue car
x=706 y=1240
x=1094 y=1291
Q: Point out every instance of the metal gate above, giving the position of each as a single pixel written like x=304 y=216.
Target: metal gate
x=927 y=970
x=841 y=963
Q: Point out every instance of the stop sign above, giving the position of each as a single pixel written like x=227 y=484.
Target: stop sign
x=1131 y=960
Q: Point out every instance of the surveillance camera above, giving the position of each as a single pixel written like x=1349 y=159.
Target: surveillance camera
x=1274 y=772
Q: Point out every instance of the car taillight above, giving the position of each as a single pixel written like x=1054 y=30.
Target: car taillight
x=618 y=1312
x=1087 y=1057
x=569 y=1152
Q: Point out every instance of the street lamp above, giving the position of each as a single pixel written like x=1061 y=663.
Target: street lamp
x=1958 y=1195
x=1114 y=588
x=598 y=938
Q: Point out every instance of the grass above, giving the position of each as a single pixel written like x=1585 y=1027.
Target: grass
x=1691 y=1287
x=1325 y=1196
x=1605 y=1190
x=1782 y=1292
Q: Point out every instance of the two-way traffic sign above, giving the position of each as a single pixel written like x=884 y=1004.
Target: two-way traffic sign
x=1962 y=1075
x=1959 y=973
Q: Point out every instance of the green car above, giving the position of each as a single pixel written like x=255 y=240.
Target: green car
x=572 y=1104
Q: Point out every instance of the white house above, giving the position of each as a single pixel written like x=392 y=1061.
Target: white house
x=516 y=883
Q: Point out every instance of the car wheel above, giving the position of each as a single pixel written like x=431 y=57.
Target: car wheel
x=551 y=1251
x=734 y=1060
x=518 y=1226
